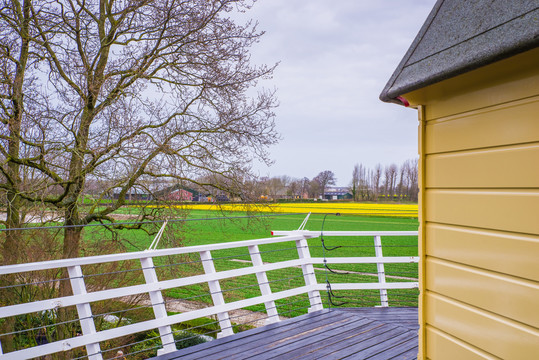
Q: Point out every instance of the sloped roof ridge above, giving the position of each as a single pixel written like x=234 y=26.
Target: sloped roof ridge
x=471 y=37
x=436 y=62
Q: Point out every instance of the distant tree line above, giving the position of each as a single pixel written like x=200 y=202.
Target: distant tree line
x=381 y=183
x=286 y=187
x=389 y=182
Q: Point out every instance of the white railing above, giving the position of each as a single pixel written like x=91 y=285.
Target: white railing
x=83 y=297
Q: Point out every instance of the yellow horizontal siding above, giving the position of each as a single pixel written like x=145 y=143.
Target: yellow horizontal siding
x=479 y=144
x=506 y=167
x=507 y=296
x=510 y=210
x=442 y=346
x=512 y=254
x=482 y=329
x=510 y=123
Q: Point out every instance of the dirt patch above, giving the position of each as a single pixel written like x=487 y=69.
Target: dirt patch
x=50 y=216
x=239 y=316
x=125 y=216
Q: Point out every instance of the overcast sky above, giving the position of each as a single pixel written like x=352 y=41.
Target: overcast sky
x=335 y=58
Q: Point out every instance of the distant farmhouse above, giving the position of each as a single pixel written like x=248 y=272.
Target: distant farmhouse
x=180 y=195
x=201 y=198
x=169 y=193
x=211 y=198
x=337 y=193
x=134 y=194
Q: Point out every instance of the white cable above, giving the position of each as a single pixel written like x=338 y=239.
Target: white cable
x=155 y=241
x=302 y=226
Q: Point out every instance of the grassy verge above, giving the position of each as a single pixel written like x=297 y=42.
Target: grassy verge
x=234 y=229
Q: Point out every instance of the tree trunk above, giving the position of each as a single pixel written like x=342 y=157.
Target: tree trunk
x=11 y=248
x=72 y=233
x=13 y=221
x=72 y=236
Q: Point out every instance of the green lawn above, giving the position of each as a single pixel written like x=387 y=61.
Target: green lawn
x=204 y=228
x=207 y=227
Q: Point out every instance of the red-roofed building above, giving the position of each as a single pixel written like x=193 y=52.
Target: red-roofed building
x=180 y=195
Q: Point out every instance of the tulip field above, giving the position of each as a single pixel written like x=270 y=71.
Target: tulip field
x=366 y=209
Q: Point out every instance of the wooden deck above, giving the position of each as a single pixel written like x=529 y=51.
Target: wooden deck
x=362 y=333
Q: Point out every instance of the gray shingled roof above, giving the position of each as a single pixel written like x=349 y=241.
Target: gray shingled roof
x=462 y=35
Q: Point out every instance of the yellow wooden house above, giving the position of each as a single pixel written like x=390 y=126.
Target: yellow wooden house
x=472 y=73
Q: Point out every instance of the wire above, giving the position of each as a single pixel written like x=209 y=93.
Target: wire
x=324 y=248
x=322 y=234
x=38 y=282
x=332 y=295
x=47 y=326
x=150 y=222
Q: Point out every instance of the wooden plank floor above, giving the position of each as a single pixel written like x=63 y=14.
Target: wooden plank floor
x=363 y=333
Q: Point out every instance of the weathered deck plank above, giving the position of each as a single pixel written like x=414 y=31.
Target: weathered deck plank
x=287 y=341
x=322 y=340
x=365 y=333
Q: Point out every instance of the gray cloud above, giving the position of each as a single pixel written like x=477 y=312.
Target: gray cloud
x=335 y=58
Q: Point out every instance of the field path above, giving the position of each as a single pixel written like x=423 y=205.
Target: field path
x=240 y=316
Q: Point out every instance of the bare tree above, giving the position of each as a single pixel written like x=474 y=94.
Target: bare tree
x=360 y=183
x=412 y=178
x=17 y=95
x=364 y=184
x=355 y=186
x=376 y=177
x=325 y=178
x=294 y=188
x=370 y=184
x=285 y=183
x=305 y=186
x=276 y=187
x=390 y=178
x=137 y=91
x=402 y=182
x=314 y=188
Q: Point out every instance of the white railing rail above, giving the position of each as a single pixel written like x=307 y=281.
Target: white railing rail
x=82 y=298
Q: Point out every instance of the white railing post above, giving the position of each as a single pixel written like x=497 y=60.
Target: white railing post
x=308 y=274
x=265 y=289
x=381 y=270
x=158 y=305
x=216 y=294
x=84 y=310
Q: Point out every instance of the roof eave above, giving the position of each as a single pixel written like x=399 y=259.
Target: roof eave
x=491 y=46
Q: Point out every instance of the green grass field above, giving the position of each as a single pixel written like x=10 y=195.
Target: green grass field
x=208 y=227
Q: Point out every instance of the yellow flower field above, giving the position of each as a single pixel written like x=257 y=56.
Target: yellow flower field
x=399 y=210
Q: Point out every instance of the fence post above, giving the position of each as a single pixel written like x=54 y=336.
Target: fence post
x=158 y=305
x=381 y=270
x=84 y=311
x=216 y=294
x=308 y=274
x=265 y=289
